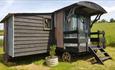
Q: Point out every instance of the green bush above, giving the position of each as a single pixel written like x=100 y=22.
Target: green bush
x=52 y=50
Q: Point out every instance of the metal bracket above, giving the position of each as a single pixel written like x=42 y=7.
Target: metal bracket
x=95 y=20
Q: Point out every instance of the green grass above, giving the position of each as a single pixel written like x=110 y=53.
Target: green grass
x=1 y=32
x=109 y=29
x=1 y=42
x=2 y=65
x=82 y=63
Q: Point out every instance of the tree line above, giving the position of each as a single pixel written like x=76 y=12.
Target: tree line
x=112 y=20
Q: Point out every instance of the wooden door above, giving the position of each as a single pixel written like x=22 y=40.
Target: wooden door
x=58 y=21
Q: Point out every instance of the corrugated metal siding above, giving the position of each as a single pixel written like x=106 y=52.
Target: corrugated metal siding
x=10 y=44
x=5 y=38
x=29 y=35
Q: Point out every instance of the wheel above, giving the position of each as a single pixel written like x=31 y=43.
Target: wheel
x=66 y=57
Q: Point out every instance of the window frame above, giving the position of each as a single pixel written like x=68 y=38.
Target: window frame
x=47 y=28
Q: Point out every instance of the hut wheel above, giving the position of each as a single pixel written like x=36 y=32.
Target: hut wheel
x=66 y=57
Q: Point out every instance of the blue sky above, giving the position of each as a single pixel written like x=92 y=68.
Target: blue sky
x=38 y=6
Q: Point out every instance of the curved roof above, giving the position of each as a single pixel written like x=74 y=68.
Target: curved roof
x=90 y=8
x=92 y=5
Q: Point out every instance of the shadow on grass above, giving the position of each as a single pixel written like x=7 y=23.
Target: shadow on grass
x=36 y=58
x=23 y=60
x=83 y=56
x=112 y=44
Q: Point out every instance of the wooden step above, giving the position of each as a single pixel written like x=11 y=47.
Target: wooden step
x=101 y=53
x=96 y=48
x=97 y=57
x=104 y=52
x=105 y=58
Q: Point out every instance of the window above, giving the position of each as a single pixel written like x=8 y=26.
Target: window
x=71 y=24
x=47 y=24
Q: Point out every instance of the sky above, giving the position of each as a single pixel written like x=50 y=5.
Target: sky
x=43 y=6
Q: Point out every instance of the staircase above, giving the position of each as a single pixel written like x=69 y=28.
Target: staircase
x=99 y=59
x=98 y=51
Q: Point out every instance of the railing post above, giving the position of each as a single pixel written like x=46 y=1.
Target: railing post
x=98 y=38
x=103 y=42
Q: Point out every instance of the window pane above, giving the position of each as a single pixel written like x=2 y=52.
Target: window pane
x=71 y=24
x=47 y=23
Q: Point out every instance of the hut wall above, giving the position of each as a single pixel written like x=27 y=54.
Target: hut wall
x=10 y=34
x=27 y=36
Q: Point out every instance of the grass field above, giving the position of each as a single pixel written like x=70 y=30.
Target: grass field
x=109 y=29
x=81 y=63
x=1 y=32
x=1 y=42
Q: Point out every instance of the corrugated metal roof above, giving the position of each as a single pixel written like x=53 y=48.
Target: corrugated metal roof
x=10 y=14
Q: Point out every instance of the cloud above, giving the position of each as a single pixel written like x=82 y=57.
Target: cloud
x=110 y=9
x=9 y=1
x=5 y=9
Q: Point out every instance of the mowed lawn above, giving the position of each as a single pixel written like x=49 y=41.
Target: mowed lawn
x=81 y=63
